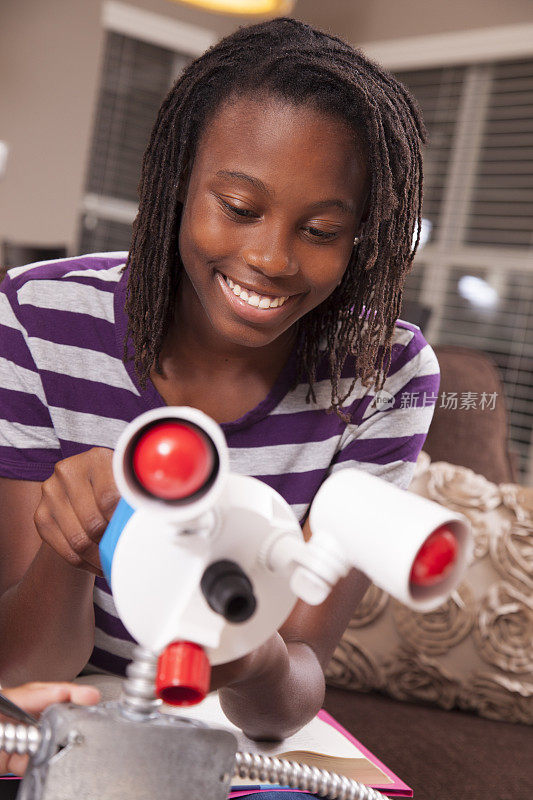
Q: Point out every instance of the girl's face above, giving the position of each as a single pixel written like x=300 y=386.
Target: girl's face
x=274 y=199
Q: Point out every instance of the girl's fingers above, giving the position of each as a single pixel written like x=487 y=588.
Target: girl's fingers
x=52 y=534
x=84 y=695
x=77 y=502
x=15 y=764
x=105 y=491
x=84 y=505
x=35 y=697
x=70 y=526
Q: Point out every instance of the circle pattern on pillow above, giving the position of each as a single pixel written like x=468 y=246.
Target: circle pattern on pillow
x=371 y=606
x=461 y=488
x=475 y=651
x=413 y=676
x=498 y=697
x=504 y=628
x=435 y=632
x=354 y=667
x=512 y=556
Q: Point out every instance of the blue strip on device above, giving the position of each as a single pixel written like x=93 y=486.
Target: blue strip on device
x=109 y=540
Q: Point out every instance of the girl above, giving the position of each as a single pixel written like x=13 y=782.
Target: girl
x=279 y=201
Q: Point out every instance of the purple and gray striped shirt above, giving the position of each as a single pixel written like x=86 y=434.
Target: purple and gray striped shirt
x=64 y=389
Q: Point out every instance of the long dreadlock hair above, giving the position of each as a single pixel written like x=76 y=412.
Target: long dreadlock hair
x=288 y=59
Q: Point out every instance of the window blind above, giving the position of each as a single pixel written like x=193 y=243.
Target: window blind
x=135 y=78
x=438 y=93
x=501 y=210
x=483 y=228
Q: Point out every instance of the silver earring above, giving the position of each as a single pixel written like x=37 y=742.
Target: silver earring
x=356 y=240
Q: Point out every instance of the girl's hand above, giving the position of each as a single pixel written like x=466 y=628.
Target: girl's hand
x=34 y=698
x=77 y=502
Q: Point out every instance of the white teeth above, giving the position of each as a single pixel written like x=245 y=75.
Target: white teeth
x=256 y=300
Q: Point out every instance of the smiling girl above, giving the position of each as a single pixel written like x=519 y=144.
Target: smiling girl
x=279 y=201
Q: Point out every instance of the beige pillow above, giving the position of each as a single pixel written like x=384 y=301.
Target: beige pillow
x=474 y=652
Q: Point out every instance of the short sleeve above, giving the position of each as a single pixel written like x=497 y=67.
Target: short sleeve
x=390 y=427
x=29 y=447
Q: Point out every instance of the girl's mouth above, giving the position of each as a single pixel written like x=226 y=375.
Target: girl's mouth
x=252 y=306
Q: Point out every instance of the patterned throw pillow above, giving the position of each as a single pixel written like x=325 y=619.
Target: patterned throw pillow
x=474 y=652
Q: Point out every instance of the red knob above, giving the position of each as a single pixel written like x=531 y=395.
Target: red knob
x=435 y=558
x=183 y=674
x=172 y=460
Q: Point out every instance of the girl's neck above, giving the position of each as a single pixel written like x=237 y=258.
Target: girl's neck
x=192 y=347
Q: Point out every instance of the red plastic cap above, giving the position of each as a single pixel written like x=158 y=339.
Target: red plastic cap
x=172 y=461
x=183 y=674
x=435 y=559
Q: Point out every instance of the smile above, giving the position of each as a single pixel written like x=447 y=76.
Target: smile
x=252 y=306
x=254 y=299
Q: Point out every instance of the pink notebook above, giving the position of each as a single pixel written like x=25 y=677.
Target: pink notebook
x=326 y=738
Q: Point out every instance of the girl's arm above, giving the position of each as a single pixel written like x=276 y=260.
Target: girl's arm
x=46 y=612
x=280 y=687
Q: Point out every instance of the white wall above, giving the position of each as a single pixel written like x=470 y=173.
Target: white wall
x=50 y=55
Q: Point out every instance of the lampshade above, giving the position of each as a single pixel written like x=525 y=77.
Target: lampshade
x=274 y=7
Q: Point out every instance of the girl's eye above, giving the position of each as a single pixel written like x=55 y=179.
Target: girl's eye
x=240 y=212
x=318 y=234
x=314 y=233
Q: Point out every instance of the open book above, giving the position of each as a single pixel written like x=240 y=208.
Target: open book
x=321 y=743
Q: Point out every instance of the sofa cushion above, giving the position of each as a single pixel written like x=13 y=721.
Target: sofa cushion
x=474 y=652
x=470 y=409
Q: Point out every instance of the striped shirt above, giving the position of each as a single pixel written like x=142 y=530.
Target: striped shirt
x=64 y=389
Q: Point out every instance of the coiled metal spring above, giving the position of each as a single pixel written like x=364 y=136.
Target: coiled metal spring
x=138 y=695
x=301 y=776
x=22 y=739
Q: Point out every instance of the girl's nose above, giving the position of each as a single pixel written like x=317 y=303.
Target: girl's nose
x=270 y=254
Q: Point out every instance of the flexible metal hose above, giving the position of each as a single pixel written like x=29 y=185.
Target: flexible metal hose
x=301 y=776
x=22 y=739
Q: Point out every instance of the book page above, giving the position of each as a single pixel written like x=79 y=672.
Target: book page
x=317 y=736
x=317 y=744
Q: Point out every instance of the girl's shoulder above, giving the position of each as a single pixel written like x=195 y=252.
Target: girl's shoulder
x=103 y=267
x=409 y=346
x=79 y=284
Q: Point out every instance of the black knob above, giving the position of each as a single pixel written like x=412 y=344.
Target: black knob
x=228 y=591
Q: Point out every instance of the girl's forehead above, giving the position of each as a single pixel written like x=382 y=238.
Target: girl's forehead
x=248 y=113
x=272 y=127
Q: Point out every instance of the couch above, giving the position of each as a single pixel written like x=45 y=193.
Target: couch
x=409 y=685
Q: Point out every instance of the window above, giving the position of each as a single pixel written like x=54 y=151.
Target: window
x=479 y=198
x=136 y=76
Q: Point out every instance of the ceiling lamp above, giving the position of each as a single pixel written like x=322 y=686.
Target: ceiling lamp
x=274 y=7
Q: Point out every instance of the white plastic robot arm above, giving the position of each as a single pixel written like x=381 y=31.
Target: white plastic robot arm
x=211 y=563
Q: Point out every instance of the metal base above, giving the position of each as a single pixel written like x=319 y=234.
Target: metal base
x=107 y=755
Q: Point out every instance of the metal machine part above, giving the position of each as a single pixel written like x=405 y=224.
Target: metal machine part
x=99 y=752
x=78 y=762
x=228 y=590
